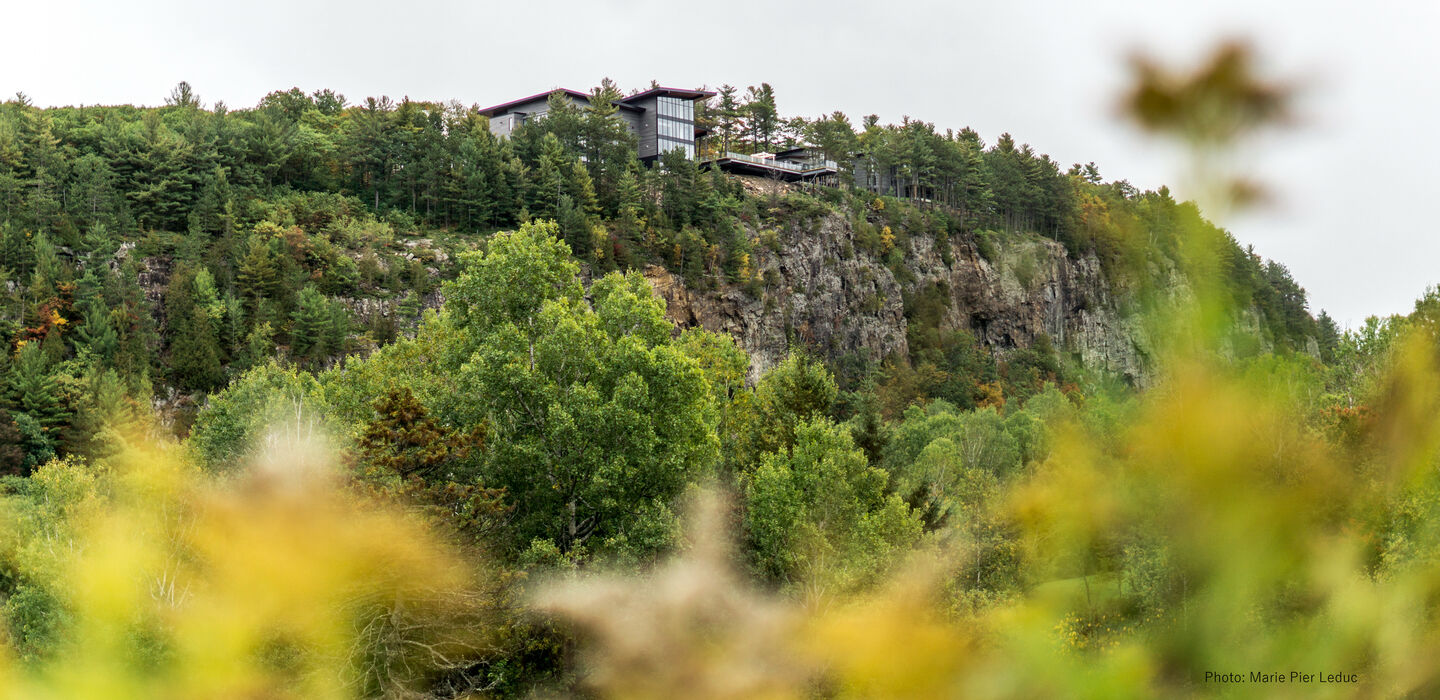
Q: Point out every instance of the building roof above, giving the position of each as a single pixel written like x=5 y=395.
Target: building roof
x=575 y=94
x=670 y=92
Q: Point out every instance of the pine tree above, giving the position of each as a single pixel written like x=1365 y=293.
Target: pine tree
x=548 y=182
x=214 y=212
x=629 y=223
x=259 y=275
x=35 y=391
x=12 y=447
x=761 y=116
x=195 y=351
x=49 y=272
x=727 y=117
x=608 y=145
x=582 y=190
x=259 y=346
x=17 y=249
x=311 y=327
x=1329 y=336
x=405 y=439
x=135 y=323
x=338 y=331
x=96 y=333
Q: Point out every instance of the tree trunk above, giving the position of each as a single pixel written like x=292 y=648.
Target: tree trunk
x=574 y=527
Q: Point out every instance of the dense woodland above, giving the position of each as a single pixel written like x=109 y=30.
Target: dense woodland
x=266 y=226
x=546 y=420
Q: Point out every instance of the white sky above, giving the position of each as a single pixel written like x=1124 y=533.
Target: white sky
x=1352 y=183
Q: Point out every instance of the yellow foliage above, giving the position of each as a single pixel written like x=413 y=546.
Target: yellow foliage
x=992 y=395
x=270 y=585
x=600 y=241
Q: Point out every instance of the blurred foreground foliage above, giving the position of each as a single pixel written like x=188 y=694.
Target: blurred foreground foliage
x=143 y=577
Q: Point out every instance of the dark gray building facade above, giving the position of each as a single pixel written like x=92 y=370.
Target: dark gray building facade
x=662 y=119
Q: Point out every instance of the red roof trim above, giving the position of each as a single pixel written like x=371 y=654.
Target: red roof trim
x=504 y=106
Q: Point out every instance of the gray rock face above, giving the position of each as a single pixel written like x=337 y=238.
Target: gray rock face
x=818 y=293
x=823 y=293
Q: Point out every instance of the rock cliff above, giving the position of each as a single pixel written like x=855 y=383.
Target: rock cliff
x=821 y=290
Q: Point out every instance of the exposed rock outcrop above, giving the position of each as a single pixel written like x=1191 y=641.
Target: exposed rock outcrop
x=822 y=291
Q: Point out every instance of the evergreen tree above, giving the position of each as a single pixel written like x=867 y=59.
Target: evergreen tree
x=139 y=339
x=405 y=439
x=96 y=333
x=193 y=313
x=258 y=275
x=12 y=447
x=762 y=118
x=727 y=117
x=36 y=392
x=548 y=183
x=1328 y=336
x=195 y=351
x=258 y=348
x=311 y=329
x=582 y=190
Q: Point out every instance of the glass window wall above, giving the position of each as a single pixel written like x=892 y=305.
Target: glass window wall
x=666 y=145
x=670 y=128
x=676 y=107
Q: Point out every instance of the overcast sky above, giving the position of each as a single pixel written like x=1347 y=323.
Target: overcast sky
x=1352 y=220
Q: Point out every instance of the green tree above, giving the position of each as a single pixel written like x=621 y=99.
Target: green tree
x=232 y=422
x=96 y=333
x=969 y=499
x=598 y=420
x=980 y=436
x=36 y=393
x=195 y=352
x=404 y=440
x=608 y=146
x=836 y=138
x=797 y=390
x=762 y=118
x=193 y=312
x=13 y=452
x=818 y=516
x=258 y=274
x=548 y=183
x=312 y=328
x=727 y=117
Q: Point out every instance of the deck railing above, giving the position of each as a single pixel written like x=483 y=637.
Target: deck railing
x=779 y=164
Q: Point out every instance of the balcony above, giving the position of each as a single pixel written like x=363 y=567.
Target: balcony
x=753 y=165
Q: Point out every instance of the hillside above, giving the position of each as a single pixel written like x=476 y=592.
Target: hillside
x=306 y=229
x=403 y=409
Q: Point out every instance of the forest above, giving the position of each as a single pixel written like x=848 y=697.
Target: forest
x=321 y=398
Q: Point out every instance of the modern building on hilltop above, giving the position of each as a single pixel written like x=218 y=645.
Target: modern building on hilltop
x=662 y=119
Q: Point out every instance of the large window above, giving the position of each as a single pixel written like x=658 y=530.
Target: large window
x=666 y=145
x=670 y=128
x=675 y=125
x=677 y=108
